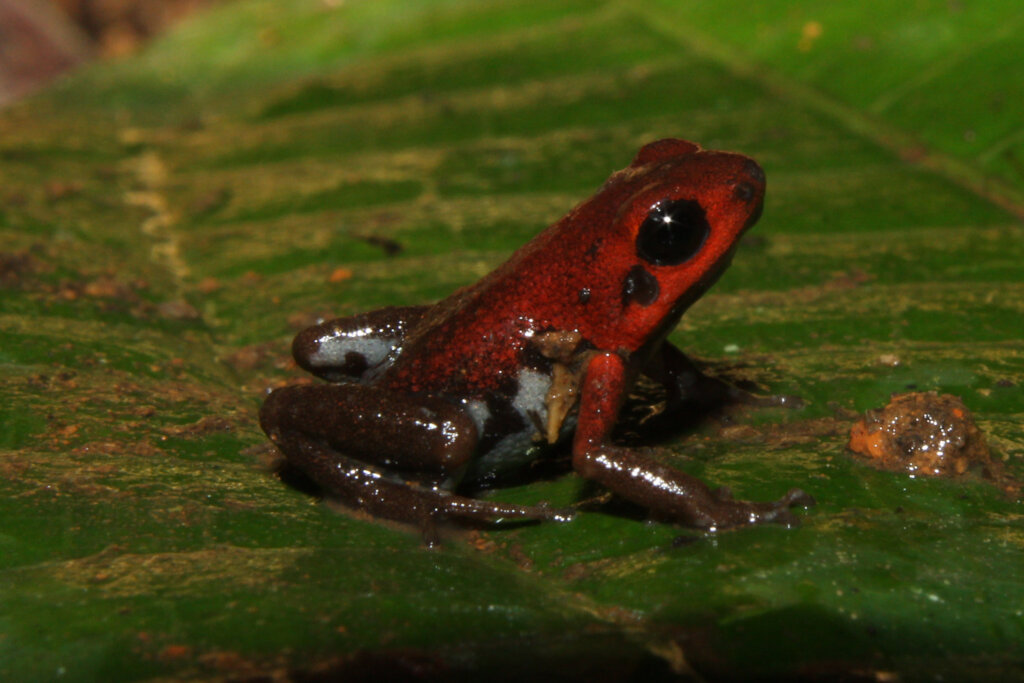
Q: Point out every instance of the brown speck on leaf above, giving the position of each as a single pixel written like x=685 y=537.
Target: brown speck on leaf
x=106 y=287
x=339 y=275
x=177 y=310
x=745 y=433
x=56 y=190
x=172 y=652
x=481 y=542
x=15 y=266
x=846 y=280
x=913 y=154
x=389 y=246
x=575 y=571
x=134 y=449
x=522 y=560
x=211 y=201
x=889 y=360
x=208 y=285
x=201 y=427
x=68 y=431
x=250 y=357
x=223 y=660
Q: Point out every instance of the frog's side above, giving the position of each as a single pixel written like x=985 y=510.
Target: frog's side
x=547 y=344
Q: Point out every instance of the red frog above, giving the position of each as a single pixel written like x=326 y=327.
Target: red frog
x=423 y=400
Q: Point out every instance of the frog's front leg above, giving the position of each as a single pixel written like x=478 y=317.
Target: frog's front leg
x=686 y=384
x=336 y=433
x=690 y=389
x=354 y=347
x=633 y=475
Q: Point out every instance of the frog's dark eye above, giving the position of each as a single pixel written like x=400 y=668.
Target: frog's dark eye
x=673 y=232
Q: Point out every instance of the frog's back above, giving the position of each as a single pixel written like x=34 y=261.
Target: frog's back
x=471 y=345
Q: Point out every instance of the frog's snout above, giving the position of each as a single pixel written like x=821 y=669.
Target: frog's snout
x=754 y=171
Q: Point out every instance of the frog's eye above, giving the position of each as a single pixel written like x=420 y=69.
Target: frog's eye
x=673 y=232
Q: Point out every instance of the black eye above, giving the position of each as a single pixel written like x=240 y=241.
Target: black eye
x=672 y=233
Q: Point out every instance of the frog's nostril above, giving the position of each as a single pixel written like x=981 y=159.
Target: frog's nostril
x=744 y=192
x=754 y=171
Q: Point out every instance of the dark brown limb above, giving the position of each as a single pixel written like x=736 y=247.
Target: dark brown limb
x=635 y=476
x=325 y=432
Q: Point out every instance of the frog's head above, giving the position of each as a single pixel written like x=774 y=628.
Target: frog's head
x=624 y=265
x=683 y=212
x=690 y=205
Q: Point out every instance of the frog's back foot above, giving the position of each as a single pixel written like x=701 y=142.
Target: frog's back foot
x=798 y=498
x=777 y=512
x=454 y=505
x=364 y=487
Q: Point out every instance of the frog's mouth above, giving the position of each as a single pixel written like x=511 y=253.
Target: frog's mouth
x=701 y=286
x=755 y=216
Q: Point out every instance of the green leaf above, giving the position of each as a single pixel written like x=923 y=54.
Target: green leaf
x=170 y=221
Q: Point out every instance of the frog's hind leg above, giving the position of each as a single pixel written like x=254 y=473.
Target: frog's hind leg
x=335 y=434
x=349 y=348
x=364 y=487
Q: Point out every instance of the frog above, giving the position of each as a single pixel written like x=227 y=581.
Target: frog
x=422 y=403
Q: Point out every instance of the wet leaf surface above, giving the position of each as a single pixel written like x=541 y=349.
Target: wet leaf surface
x=169 y=222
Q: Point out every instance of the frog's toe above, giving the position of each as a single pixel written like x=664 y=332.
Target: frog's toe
x=780 y=512
x=783 y=517
x=555 y=514
x=798 y=498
